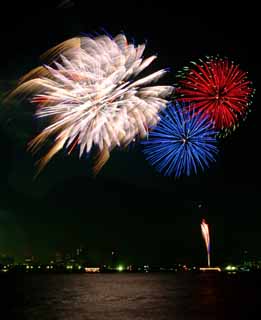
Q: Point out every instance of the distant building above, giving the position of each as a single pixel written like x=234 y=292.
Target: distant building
x=92 y=269
x=6 y=260
x=59 y=259
x=81 y=257
x=29 y=260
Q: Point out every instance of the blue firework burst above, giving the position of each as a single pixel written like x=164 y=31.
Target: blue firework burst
x=181 y=143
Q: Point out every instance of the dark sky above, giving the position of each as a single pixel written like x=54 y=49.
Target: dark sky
x=128 y=207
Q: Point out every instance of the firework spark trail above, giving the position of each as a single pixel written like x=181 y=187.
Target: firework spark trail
x=205 y=234
x=180 y=142
x=91 y=98
x=218 y=88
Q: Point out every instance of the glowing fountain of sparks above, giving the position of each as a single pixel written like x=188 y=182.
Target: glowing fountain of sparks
x=205 y=234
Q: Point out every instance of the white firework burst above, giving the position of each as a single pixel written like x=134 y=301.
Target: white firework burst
x=90 y=96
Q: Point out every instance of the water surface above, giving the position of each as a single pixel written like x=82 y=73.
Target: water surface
x=130 y=296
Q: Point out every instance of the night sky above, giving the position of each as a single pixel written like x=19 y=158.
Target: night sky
x=128 y=207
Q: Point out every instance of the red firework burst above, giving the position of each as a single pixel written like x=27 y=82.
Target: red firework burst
x=218 y=88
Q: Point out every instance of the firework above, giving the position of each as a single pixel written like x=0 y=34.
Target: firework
x=218 y=88
x=91 y=98
x=205 y=234
x=181 y=142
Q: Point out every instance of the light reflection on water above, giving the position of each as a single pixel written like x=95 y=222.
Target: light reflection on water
x=130 y=296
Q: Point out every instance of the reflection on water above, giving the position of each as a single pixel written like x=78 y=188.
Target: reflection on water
x=130 y=296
